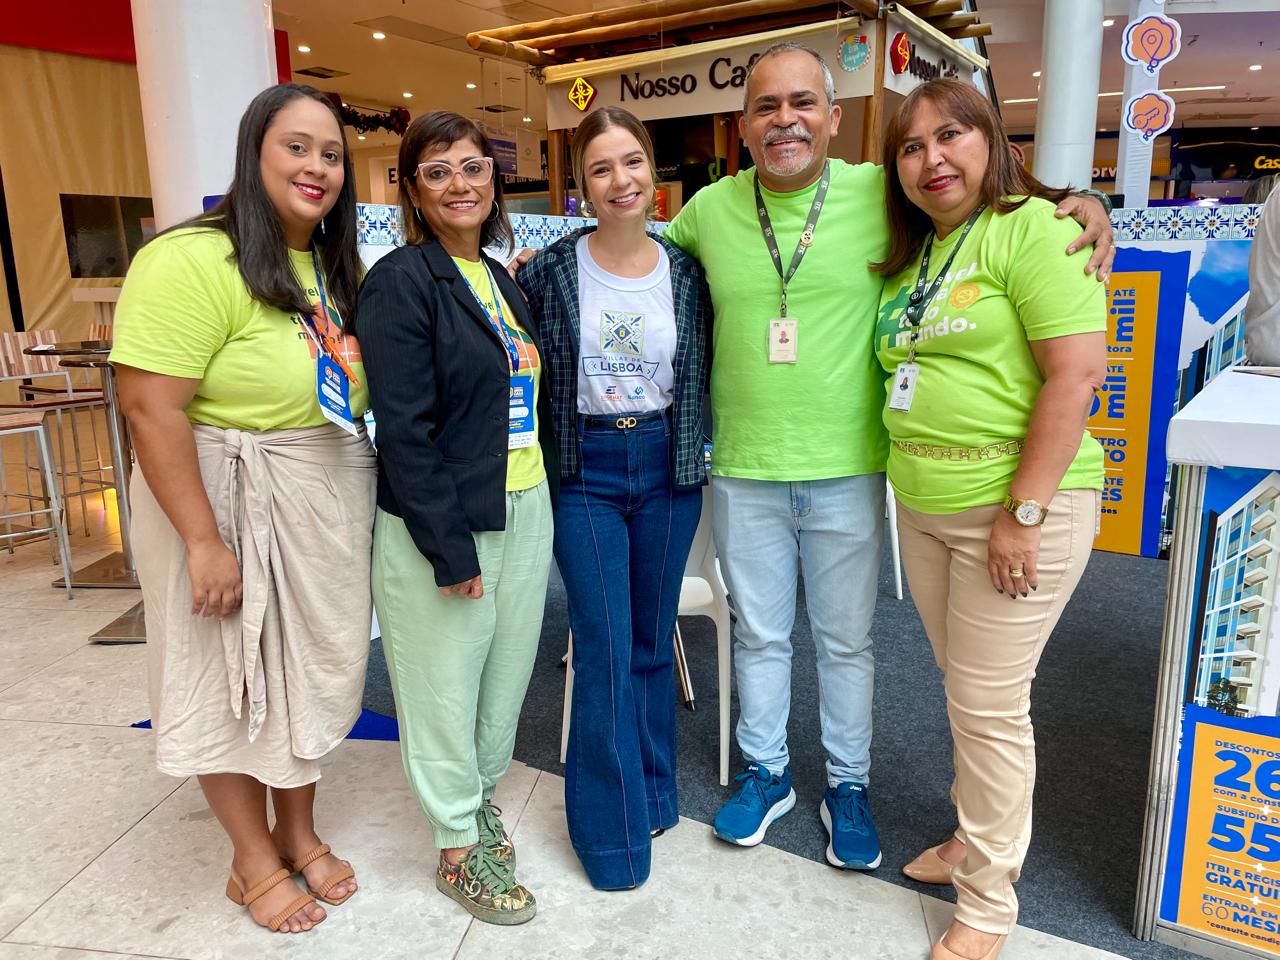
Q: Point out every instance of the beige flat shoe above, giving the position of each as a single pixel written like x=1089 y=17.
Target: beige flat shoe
x=245 y=897
x=941 y=952
x=929 y=867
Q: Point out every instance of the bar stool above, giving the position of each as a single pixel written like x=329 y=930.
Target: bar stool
x=31 y=424
x=57 y=395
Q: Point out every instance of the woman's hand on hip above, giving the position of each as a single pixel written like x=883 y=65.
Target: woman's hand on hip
x=472 y=589
x=216 y=588
x=1012 y=552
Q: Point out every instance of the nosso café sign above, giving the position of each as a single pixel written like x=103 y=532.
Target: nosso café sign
x=698 y=80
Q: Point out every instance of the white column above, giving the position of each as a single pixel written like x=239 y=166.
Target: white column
x=199 y=65
x=1067 y=113
x=1133 y=159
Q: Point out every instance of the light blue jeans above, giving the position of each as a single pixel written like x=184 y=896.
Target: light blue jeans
x=766 y=532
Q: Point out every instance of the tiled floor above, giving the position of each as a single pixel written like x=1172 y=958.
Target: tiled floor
x=104 y=857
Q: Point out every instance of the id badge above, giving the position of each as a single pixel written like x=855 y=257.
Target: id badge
x=903 y=389
x=782 y=340
x=520 y=433
x=334 y=394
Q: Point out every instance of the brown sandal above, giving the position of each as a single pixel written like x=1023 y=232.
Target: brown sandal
x=245 y=897
x=322 y=892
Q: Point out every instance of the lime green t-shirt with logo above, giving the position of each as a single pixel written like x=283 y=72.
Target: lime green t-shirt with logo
x=185 y=312
x=1010 y=284
x=817 y=418
x=525 y=468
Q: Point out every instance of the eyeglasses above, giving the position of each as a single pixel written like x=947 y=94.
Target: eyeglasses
x=437 y=174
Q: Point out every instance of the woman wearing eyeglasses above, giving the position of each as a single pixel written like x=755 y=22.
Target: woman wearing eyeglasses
x=462 y=540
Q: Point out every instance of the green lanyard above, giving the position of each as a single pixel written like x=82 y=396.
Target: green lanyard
x=806 y=238
x=920 y=297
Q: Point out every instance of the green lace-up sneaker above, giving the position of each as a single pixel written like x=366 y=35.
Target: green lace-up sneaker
x=493 y=834
x=486 y=886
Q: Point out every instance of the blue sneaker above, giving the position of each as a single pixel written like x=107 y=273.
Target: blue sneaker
x=762 y=799
x=846 y=813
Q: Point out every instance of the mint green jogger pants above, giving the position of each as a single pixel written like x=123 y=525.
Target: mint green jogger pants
x=460 y=667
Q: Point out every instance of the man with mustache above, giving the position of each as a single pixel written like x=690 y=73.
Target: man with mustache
x=800 y=451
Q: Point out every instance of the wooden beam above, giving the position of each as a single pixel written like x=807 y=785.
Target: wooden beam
x=509 y=51
x=935 y=8
x=954 y=22
x=651 y=10
x=673 y=41
x=873 y=109
x=655 y=26
x=977 y=30
x=555 y=171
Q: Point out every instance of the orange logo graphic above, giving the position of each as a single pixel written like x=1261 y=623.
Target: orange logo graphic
x=581 y=94
x=964 y=295
x=1150 y=115
x=899 y=53
x=1151 y=42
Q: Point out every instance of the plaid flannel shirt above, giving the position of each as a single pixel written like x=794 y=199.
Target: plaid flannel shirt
x=550 y=281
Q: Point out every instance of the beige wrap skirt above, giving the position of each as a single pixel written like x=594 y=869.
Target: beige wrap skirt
x=274 y=687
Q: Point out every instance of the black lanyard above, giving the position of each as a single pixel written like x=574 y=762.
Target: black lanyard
x=920 y=297
x=806 y=238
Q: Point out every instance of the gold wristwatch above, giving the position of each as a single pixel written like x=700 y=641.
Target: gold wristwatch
x=1029 y=513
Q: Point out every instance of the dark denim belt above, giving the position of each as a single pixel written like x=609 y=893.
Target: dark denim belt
x=624 y=421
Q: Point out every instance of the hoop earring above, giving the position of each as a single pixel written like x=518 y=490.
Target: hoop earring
x=493 y=214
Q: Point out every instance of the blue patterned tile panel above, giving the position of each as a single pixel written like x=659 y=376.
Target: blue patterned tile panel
x=1230 y=221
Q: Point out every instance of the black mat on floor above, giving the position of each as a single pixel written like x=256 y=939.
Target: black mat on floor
x=1093 y=708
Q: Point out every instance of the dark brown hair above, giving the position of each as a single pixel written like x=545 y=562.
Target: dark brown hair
x=597 y=122
x=442 y=128
x=1006 y=185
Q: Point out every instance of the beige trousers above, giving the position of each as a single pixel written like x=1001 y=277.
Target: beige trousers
x=988 y=646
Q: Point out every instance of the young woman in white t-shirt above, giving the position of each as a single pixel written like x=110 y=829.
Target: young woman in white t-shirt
x=623 y=320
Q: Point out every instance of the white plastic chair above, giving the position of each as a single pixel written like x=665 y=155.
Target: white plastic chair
x=702 y=594
x=891 y=511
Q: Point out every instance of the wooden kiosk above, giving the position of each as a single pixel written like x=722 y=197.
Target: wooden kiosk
x=680 y=58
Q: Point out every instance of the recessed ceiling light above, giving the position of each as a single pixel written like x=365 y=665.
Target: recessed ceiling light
x=1255 y=67
x=1036 y=74
x=407 y=95
x=1253 y=128
x=379 y=35
x=303 y=48
x=1108 y=23
x=360 y=136
x=1102 y=129
x=530 y=120
x=471 y=86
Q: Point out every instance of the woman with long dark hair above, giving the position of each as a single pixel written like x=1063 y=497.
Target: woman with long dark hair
x=624 y=317
x=462 y=543
x=994 y=343
x=253 y=495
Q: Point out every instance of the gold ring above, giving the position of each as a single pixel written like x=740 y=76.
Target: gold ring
x=1016 y=572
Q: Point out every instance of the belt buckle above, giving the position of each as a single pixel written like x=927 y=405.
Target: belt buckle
x=624 y=423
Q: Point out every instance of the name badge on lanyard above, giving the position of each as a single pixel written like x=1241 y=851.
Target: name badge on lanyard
x=333 y=378
x=520 y=409
x=783 y=347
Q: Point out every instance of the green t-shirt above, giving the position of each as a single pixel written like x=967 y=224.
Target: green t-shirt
x=1010 y=284
x=525 y=468
x=185 y=312
x=817 y=418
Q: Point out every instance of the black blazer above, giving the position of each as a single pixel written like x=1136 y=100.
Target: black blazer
x=439 y=386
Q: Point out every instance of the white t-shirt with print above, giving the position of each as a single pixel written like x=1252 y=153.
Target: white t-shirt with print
x=628 y=338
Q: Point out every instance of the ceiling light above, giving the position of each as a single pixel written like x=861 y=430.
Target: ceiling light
x=1253 y=128
x=1120 y=93
x=530 y=120
x=303 y=48
x=1108 y=23
x=1255 y=67
x=1036 y=74
x=360 y=136
x=1102 y=129
x=379 y=35
x=407 y=95
x=471 y=86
